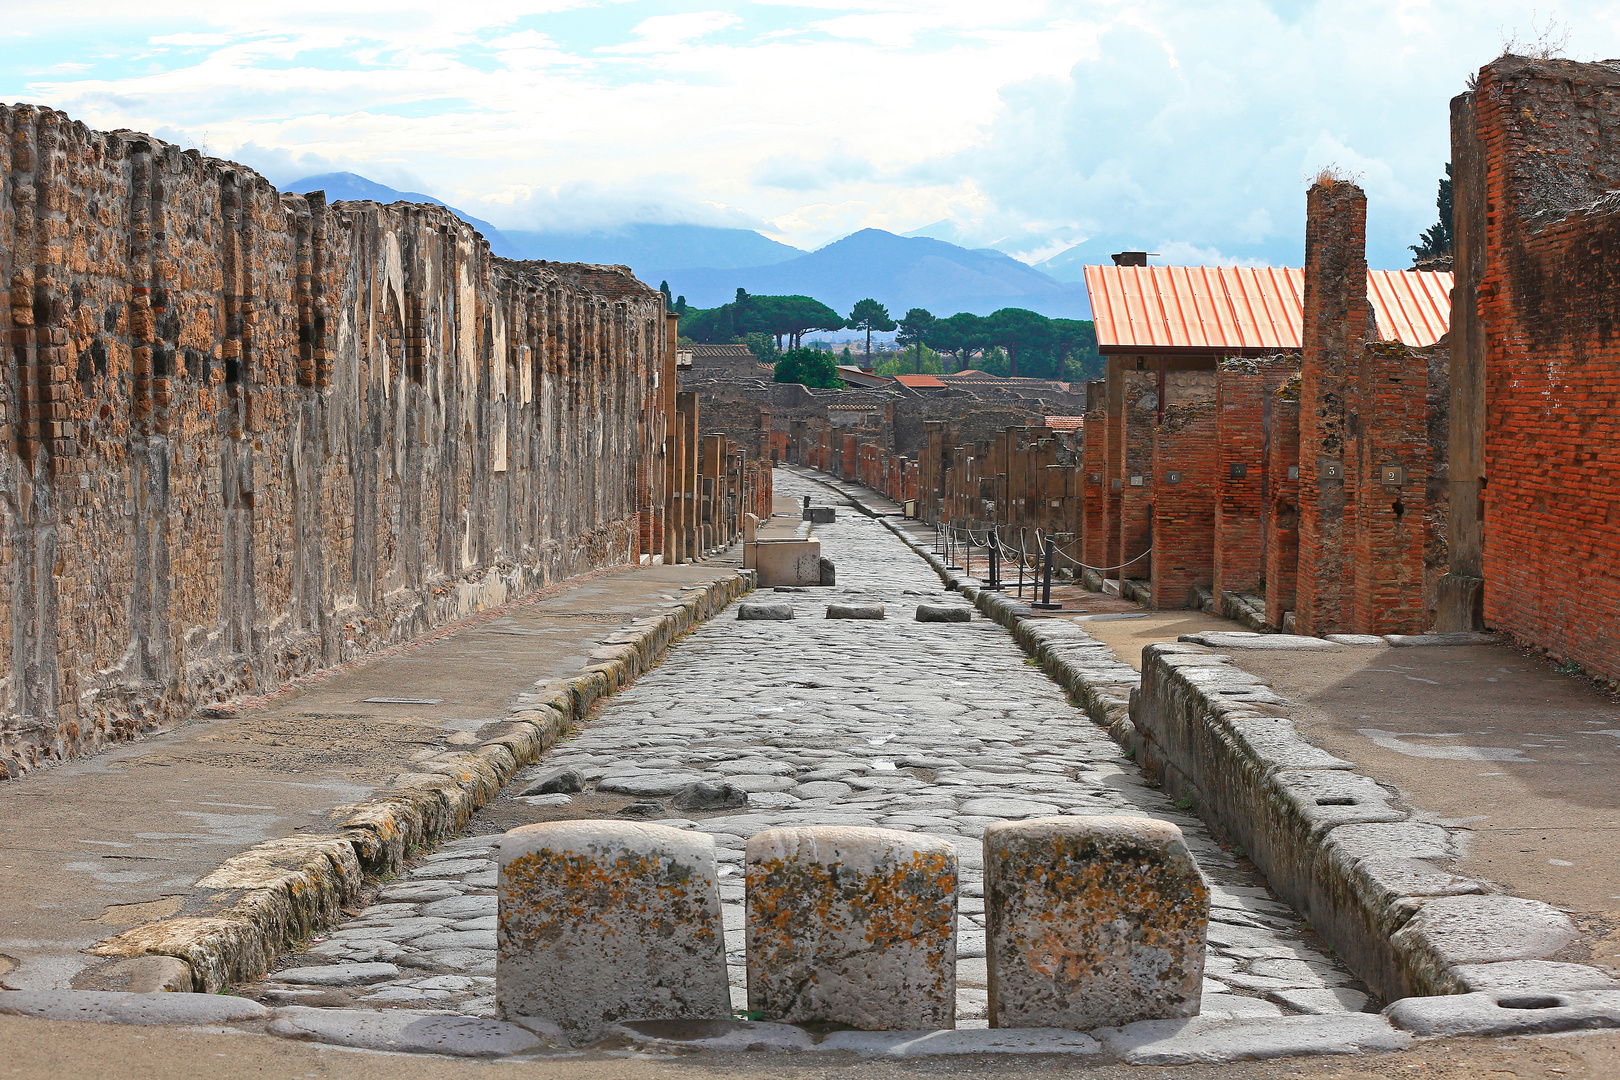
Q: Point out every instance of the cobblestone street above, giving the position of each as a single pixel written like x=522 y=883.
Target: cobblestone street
x=942 y=728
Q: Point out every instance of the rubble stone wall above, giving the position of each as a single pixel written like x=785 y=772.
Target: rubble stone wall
x=248 y=435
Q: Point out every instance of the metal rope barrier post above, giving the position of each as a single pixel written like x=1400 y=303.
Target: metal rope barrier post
x=950 y=547
x=968 y=547
x=994 y=584
x=1045 y=603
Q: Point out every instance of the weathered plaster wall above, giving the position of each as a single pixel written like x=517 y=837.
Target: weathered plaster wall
x=248 y=435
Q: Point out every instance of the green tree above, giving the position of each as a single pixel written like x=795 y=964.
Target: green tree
x=808 y=367
x=869 y=315
x=680 y=305
x=663 y=287
x=1435 y=241
x=915 y=328
x=792 y=317
x=1019 y=331
x=759 y=343
x=1075 y=341
x=961 y=334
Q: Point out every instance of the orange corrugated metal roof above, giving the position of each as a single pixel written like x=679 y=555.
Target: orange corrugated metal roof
x=1238 y=309
x=927 y=381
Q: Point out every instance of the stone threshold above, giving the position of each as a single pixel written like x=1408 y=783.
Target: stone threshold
x=293 y=886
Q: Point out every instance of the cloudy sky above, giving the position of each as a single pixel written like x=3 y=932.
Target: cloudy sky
x=1188 y=128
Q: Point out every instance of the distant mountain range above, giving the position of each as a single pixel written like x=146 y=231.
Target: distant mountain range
x=707 y=264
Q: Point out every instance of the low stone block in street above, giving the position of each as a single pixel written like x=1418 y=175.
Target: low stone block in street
x=944 y=613
x=854 y=611
x=764 y=612
x=603 y=921
x=1092 y=921
x=852 y=926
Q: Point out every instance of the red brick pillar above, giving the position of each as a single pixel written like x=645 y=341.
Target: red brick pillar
x=1094 y=476
x=1282 y=520
x=1185 y=459
x=1390 y=512
x=1336 y=323
x=1136 y=478
x=1243 y=424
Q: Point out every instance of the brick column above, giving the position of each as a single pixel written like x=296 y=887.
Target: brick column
x=1243 y=426
x=1337 y=317
x=1185 y=459
x=1135 y=478
x=1282 y=519
x=1094 y=476
x=1390 y=514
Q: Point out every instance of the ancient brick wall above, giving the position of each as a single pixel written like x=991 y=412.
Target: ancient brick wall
x=1186 y=457
x=248 y=435
x=1337 y=317
x=1548 y=299
x=1282 y=468
x=1389 y=425
x=1094 y=478
x=1243 y=426
x=1135 y=474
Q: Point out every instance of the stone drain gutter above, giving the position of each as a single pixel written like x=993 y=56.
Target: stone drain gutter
x=1365 y=873
x=287 y=888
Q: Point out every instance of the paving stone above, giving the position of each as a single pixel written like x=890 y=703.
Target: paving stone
x=1218 y=1039
x=338 y=974
x=1238 y=639
x=720 y=1034
x=456 y=939
x=997 y=807
x=1532 y=977
x=854 y=611
x=541 y=802
x=602 y=922
x=1479 y=929
x=110 y=1007
x=1355 y=639
x=654 y=785
x=1333 y=1000
x=564 y=780
x=852 y=926
x=761 y=612
x=461 y=907
x=449 y=868
x=913 y=1044
x=1494 y=1012
x=403 y=1032
x=1092 y=921
x=944 y=613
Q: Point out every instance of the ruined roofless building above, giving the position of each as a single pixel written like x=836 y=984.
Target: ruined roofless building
x=248 y=434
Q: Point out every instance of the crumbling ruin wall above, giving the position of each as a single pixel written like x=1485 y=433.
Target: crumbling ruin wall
x=249 y=435
x=1536 y=372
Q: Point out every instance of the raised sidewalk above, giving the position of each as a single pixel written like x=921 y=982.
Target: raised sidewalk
x=220 y=841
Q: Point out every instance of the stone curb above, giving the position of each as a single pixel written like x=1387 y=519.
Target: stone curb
x=1362 y=871
x=287 y=888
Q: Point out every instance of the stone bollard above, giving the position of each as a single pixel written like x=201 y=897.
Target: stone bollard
x=759 y=612
x=828 y=572
x=944 y=613
x=854 y=611
x=609 y=921
x=1091 y=922
x=852 y=926
x=750 y=528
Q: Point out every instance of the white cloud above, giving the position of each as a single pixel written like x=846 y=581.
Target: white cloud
x=1037 y=126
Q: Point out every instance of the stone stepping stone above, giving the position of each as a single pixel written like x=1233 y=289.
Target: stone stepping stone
x=763 y=612
x=337 y=974
x=944 y=613
x=1092 y=921
x=853 y=926
x=403 y=1032
x=603 y=920
x=854 y=611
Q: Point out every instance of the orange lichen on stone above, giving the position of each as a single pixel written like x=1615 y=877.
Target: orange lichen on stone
x=852 y=926
x=1092 y=921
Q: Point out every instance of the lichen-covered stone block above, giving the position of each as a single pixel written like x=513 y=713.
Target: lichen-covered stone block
x=607 y=921
x=1091 y=921
x=852 y=926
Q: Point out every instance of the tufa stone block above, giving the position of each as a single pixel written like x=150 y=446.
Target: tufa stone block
x=758 y=612
x=1091 y=921
x=854 y=611
x=606 y=921
x=852 y=926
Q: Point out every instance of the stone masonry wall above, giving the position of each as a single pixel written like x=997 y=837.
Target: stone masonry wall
x=248 y=435
x=1244 y=427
